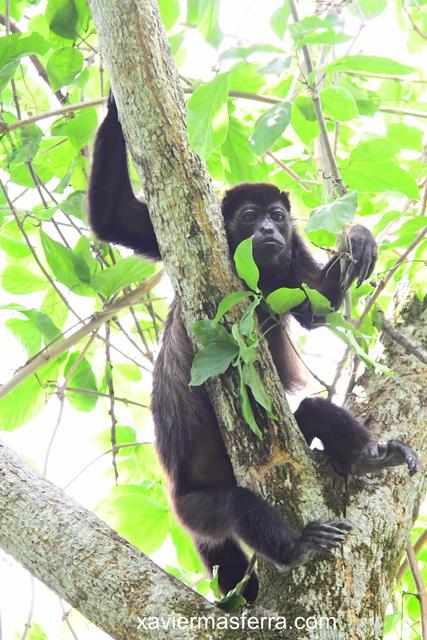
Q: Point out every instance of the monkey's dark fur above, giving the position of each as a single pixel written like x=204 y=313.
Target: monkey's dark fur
x=204 y=491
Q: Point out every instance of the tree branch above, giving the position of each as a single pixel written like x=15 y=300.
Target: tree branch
x=401 y=339
x=85 y=562
x=92 y=325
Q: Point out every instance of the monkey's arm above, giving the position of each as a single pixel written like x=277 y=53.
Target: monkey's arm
x=115 y=214
x=329 y=280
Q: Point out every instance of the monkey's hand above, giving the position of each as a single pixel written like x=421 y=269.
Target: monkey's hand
x=318 y=536
x=376 y=456
x=362 y=256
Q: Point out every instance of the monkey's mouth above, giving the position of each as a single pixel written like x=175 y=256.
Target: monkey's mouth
x=268 y=244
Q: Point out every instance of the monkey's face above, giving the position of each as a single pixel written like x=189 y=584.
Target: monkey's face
x=269 y=225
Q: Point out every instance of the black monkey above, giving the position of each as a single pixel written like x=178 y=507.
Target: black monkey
x=204 y=490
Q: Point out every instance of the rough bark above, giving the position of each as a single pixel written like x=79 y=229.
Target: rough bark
x=85 y=562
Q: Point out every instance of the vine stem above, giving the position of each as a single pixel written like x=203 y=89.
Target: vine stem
x=335 y=173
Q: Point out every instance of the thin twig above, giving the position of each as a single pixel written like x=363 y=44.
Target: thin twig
x=99 y=394
x=65 y=618
x=421 y=590
x=400 y=338
x=101 y=455
x=418 y=545
x=289 y=171
x=61 y=397
x=96 y=321
x=336 y=176
x=404 y=112
x=311 y=372
x=34 y=253
x=412 y=21
x=70 y=108
x=29 y=621
x=110 y=386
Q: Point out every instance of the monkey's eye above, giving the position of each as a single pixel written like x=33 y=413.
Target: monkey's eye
x=249 y=215
x=277 y=215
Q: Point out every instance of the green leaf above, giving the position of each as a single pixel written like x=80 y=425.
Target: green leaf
x=388 y=176
x=138 y=514
x=19 y=281
x=246 y=324
x=212 y=360
x=315 y=30
x=283 y=299
x=229 y=302
x=270 y=126
x=67 y=267
x=186 y=553
x=208 y=21
x=25 y=401
x=13 y=247
x=74 y=204
x=279 y=20
x=129 y=371
x=67 y=18
x=207 y=331
x=247 y=412
x=54 y=308
x=372 y=64
x=319 y=303
x=376 y=150
x=36 y=632
x=169 y=11
x=125 y=272
x=79 y=128
x=63 y=66
x=372 y=8
x=208 y=115
x=333 y=216
x=338 y=103
x=16 y=45
x=245 y=264
x=238 y=160
x=405 y=136
x=82 y=378
x=233 y=601
x=252 y=380
x=244 y=74
x=304 y=121
x=26 y=333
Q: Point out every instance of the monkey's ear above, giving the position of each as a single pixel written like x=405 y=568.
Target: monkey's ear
x=284 y=196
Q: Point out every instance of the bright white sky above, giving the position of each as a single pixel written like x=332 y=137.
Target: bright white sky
x=74 y=445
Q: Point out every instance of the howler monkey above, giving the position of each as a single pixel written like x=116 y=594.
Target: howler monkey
x=203 y=487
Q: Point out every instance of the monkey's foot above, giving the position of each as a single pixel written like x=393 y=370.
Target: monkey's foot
x=318 y=536
x=380 y=455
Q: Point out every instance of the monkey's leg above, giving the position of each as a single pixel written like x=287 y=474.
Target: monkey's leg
x=350 y=446
x=220 y=513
